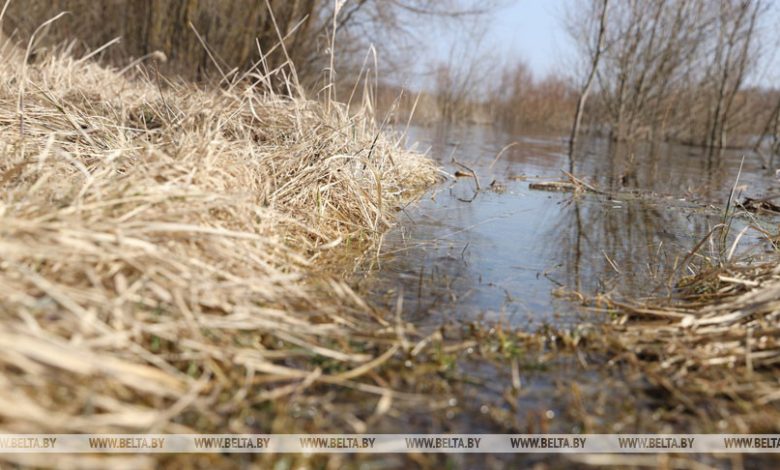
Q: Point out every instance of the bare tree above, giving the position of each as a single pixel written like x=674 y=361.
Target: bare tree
x=651 y=48
x=734 y=53
x=594 y=64
x=673 y=68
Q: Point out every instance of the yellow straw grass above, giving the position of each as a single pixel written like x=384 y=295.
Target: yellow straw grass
x=161 y=245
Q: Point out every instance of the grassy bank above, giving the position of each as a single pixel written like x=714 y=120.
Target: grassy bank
x=163 y=247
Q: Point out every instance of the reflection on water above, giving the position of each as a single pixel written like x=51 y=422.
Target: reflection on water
x=510 y=252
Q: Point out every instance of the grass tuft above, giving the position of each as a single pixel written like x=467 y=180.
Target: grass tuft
x=162 y=246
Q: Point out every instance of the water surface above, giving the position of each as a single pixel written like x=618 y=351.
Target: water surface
x=510 y=253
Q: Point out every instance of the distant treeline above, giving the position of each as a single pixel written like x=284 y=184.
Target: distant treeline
x=511 y=98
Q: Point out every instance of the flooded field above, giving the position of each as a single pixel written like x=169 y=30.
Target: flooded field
x=505 y=268
x=510 y=253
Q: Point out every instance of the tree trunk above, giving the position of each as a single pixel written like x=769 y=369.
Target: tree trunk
x=588 y=83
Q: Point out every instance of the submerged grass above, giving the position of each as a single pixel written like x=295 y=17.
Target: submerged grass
x=163 y=247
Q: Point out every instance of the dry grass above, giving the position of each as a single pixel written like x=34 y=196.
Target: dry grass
x=162 y=247
x=713 y=351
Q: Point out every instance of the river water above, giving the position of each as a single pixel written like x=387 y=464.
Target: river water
x=513 y=254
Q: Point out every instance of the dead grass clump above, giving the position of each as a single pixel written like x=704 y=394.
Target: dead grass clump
x=159 y=245
x=714 y=351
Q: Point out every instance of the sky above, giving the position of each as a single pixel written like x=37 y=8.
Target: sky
x=528 y=30
x=531 y=30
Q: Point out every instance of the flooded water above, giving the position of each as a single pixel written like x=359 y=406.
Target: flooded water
x=511 y=253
